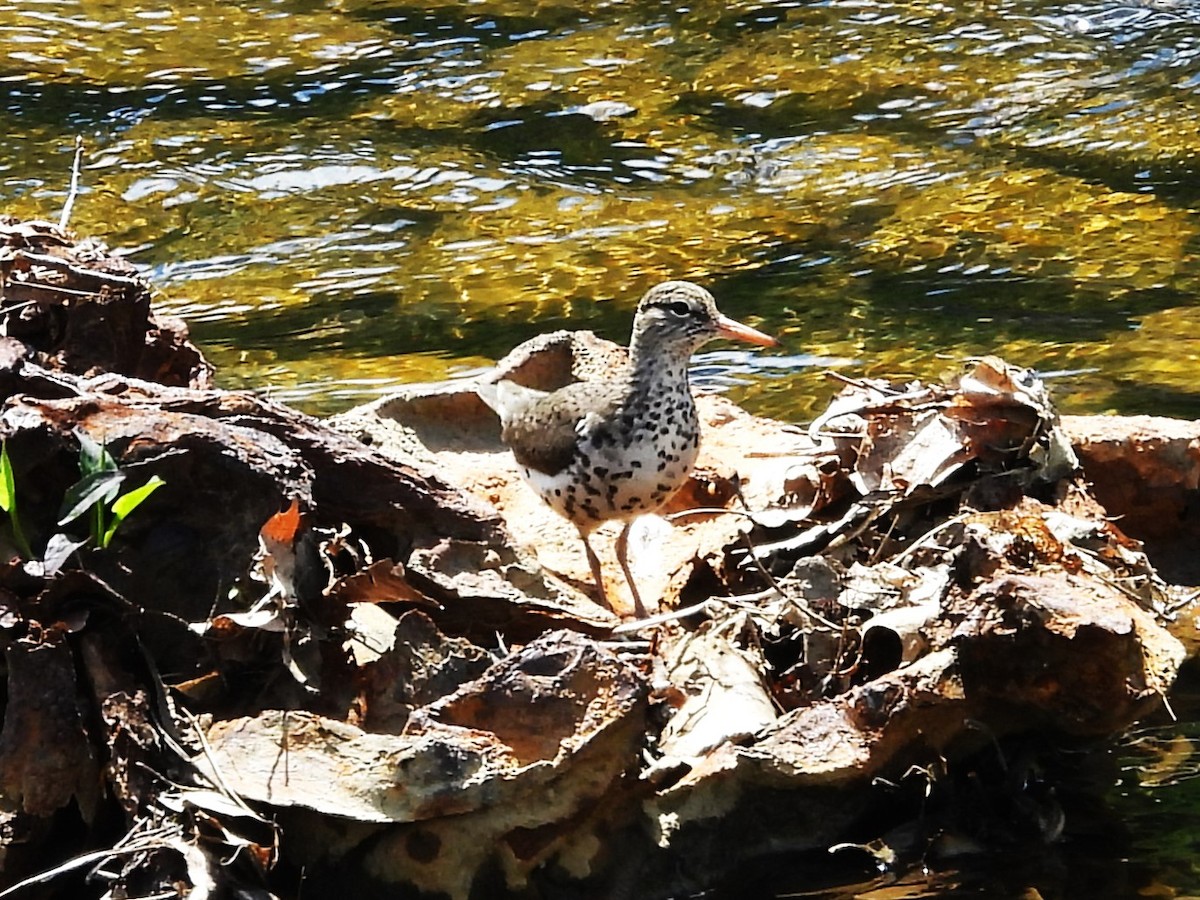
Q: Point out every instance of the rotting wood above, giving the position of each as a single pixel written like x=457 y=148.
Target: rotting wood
x=82 y=310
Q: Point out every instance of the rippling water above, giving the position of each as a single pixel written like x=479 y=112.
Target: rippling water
x=345 y=195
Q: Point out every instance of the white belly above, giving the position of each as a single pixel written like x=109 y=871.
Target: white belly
x=618 y=482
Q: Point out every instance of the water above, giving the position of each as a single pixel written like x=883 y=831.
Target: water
x=342 y=198
x=345 y=196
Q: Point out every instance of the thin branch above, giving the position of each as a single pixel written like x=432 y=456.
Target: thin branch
x=663 y=618
x=215 y=775
x=86 y=859
x=74 y=191
x=928 y=537
x=709 y=511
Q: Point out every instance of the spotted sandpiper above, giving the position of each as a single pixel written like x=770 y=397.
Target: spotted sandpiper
x=619 y=446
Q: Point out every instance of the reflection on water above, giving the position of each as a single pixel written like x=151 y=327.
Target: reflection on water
x=323 y=191
x=344 y=196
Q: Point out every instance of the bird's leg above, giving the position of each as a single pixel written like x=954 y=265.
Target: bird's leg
x=622 y=548
x=594 y=562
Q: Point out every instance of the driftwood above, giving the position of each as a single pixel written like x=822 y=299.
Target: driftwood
x=82 y=310
x=361 y=656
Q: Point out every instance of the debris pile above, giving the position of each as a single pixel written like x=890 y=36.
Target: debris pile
x=361 y=654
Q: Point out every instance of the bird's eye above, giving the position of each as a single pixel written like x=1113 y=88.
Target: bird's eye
x=679 y=308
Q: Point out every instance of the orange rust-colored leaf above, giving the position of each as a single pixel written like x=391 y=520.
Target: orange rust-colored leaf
x=283 y=526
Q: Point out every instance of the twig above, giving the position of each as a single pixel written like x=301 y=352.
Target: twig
x=85 y=860
x=663 y=618
x=861 y=383
x=27 y=260
x=887 y=535
x=17 y=307
x=638 y=647
x=753 y=556
x=1167 y=703
x=709 y=511
x=931 y=533
x=74 y=191
x=215 y=775
x=843 y=538
x=800 y=602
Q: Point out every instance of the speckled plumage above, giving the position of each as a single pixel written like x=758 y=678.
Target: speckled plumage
x=620 y=446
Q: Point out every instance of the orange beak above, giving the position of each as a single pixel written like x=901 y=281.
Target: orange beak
x=729 y=328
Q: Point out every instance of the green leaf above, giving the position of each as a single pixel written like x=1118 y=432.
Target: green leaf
x=8 y=501
x=8 y=486
x=127 y=503
x=93 y=457
x=99 y=486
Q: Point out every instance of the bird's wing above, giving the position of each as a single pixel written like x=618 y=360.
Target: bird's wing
x=544 y=435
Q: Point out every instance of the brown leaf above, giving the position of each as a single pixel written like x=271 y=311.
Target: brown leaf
x=383 y=581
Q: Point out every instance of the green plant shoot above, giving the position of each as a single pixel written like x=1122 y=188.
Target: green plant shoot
x=8 y=501
x=98 y=493
x=127 y=503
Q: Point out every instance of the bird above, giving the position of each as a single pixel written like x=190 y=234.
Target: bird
x=621 y=445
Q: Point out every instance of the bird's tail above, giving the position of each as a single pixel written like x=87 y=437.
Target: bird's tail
x=506 y=398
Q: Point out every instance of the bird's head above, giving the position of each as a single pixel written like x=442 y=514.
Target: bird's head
x=677 y=317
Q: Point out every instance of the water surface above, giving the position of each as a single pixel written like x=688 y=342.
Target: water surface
x=345 y=196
